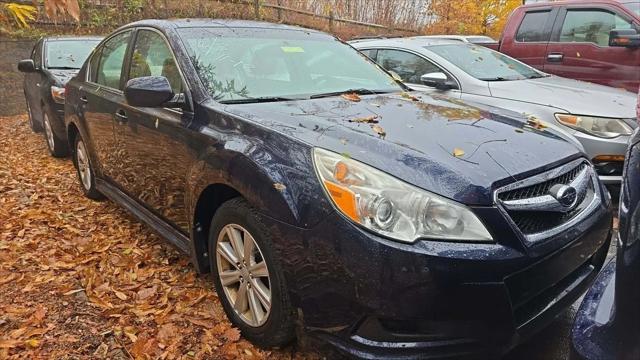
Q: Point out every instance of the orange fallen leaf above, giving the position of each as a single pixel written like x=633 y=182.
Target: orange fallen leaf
x=351 y=97
x=367 y=119
x=120 y=295
x=232 y=334
x=457 y=152
x=379 y=130
x=408 y=96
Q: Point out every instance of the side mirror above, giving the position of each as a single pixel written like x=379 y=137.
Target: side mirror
x=438 y=80
x=148 y=91
x=27 y=66
x=624 y=38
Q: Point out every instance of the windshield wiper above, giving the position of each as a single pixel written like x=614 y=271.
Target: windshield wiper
x=258 y=100
x=497 y=78
x=537 y=76
x=63 y=68
x=360 y=91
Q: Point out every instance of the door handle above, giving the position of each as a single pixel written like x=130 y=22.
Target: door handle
x=84 y=99
x=121 y=116
x=555 y=57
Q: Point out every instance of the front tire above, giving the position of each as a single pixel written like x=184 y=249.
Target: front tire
x=57 y=147
x=247 y=275
x=85 y=171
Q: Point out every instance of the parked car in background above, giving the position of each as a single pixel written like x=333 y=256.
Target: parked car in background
x=474 y=39
x=599 y=117
x=607 y=325
x=322 y=194
x=53 y=61
x=594 y=40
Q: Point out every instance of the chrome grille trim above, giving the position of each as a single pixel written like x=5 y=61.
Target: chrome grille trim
x=578 y=174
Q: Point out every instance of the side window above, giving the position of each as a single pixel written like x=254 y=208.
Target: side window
x=152 y=57
x=591 y=26
x=408 y=66
x=36 y=54
x=370 y=53
x=532 y=28
x=109 y=68
x=93 y=65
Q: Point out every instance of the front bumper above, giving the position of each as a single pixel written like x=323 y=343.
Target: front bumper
x=593 y=335
x=372 y=297
x=609 y=172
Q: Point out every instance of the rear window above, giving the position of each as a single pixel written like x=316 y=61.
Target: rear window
x=532 y=28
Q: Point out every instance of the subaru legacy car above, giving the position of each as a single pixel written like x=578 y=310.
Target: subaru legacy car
x=600 y=117
x=53 y=61
x=324 y=196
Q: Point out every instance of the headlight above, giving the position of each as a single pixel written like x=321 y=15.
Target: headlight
x=57 y=93
x=597 y=126
x=393 y=208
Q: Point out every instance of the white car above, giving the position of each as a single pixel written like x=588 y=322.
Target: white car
x=601 y=118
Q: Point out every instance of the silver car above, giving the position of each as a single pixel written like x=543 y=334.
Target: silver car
x=601 y=118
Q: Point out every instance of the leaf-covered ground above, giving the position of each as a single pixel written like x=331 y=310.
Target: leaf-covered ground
x=83 y=279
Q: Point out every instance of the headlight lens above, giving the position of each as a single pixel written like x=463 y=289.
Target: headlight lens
x=57 y=93
x=597 y=126
x=393 y=208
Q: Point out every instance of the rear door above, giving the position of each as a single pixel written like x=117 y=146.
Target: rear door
x=529 y=42
x=102 y=96
x=580 y=47
x=156 y=151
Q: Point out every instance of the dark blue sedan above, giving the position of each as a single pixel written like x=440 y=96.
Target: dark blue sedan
x=323 y=195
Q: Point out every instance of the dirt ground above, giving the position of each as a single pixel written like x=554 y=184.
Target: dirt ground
x=82 y=279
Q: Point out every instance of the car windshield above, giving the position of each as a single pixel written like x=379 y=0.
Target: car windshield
x=68 y=54
x=633 y=6
x=485 y=64
x=249 y=64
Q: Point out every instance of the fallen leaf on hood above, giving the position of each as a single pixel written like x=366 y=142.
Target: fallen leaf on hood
x=379 y=130
x=351 y=97
x=536 y=123
x=457 y=152
x=279 y=186
x=367 y=120
x=408 y=96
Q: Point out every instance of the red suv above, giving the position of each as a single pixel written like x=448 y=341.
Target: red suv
x=594 y=41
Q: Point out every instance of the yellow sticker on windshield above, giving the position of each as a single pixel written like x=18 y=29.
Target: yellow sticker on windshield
x=292 y=49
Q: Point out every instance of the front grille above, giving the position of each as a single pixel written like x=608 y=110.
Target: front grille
x=534 y=209
x=543 y=187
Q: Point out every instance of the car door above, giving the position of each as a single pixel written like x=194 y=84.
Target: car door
x=156 y=139
x=580 y=47
x=103 y=98
x=410 y=67
x=33 y=82
x=529 y=43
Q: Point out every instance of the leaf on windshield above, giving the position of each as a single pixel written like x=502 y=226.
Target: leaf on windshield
x=351 y=97
x=457 y=152
x=366 y=120
x=408 y=96
x=379 y=130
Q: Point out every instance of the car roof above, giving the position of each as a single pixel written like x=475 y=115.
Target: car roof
x=406 y=42
x=72 y=38
x=205 y=22
x=569 y=2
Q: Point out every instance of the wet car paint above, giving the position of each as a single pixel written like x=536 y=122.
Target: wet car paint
x=339 y=275
x=607 y=325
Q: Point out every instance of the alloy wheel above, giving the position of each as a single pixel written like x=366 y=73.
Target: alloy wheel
x=243 y=274
x=49 y=132
x=83 y=165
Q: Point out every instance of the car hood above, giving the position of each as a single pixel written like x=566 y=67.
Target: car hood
x=63 y=75
x=416 y=140
x=573 y=96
